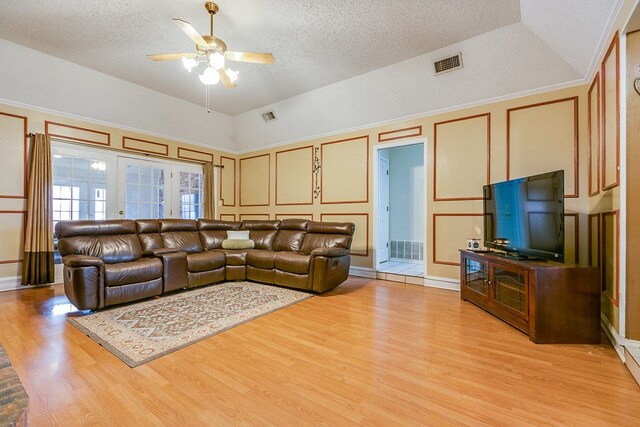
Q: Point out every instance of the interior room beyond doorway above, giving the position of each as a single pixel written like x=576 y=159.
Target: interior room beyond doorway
x=400 y=223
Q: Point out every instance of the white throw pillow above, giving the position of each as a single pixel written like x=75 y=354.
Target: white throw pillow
x=233 y=235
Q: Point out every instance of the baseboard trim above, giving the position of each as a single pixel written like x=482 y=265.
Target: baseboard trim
x=442 y=283
x=614 y=337
x=430 y=281
x=362 y=272
x=633 y=363
x=13 y=283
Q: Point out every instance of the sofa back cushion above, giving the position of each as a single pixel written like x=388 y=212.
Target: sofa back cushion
x=213 y=232
x=181 y=234
x=291 y=235
x=327 y=235
x=112 y=241
x=149 y=235
x=263 y=232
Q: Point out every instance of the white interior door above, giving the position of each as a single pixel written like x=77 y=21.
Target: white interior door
x=383 y=209
x=143 y=188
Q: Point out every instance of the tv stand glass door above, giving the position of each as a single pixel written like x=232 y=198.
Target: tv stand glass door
x=509 y=289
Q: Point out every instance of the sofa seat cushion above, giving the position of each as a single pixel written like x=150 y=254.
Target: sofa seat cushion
x=126 y=273
x=235 y=256
x=205 y=261
x=292 y=262
x=261 y=258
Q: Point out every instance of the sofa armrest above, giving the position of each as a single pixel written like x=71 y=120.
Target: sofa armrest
x=82 y=261
x=330 y=252
x=163 y=251
x=174 y=269
x=84 y=281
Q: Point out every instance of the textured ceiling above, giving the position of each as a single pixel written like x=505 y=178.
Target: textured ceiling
x=315 y=43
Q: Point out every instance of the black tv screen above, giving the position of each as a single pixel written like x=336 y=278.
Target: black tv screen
x=525 y=217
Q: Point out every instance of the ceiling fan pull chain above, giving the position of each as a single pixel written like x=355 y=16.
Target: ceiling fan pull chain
x=207 y=88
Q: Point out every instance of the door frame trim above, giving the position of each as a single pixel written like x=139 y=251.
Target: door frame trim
x=376 y=148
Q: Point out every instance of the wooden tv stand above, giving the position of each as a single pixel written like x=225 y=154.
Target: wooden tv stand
x=551 y=302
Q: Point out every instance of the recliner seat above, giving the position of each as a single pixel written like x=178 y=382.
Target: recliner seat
x=116 y=261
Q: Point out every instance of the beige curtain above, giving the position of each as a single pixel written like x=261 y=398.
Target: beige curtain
x=37 y=264
x=208 y=202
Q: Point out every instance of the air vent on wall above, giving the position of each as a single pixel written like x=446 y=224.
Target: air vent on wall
x=449 y=63
x=268 y=116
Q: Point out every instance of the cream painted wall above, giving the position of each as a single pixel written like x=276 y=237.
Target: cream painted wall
x=450 y=221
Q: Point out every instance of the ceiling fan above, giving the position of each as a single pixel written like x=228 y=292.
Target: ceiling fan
x=212 y=51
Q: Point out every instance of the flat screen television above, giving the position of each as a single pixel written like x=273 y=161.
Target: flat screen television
x=524 y=217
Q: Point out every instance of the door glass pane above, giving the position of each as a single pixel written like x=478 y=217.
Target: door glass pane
x=191 y=195
x=476 y=273
x=144 y=192
x=509 y=289
x=76 y=188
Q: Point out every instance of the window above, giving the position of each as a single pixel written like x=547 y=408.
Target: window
x=79 y=188
x=94 y=184
x=191 y=193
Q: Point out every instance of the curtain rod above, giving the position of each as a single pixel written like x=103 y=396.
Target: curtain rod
x=31 y=135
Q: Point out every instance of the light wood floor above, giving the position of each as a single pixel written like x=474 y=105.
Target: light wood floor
x=368 y=353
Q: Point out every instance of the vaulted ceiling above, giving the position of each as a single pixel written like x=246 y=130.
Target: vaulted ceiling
x=316 y=43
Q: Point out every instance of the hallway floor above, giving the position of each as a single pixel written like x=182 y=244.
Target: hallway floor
x=402 y=267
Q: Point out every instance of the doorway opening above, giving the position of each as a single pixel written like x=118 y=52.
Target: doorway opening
x=400 y=209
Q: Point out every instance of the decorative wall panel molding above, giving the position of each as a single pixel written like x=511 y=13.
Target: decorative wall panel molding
x=610 y=72
x=13 y=232
x=75 y=133
x=392 y=135
x=610 y=240
x=294 y=176
x=13 y=145
x=457 y=228
x=255 y=180
x=461 y=158
x=253 y=216
x=344 y=174
x=282 y=216
x=594 y=240
x=198 y=156
x=228 y=217
x=593 y=116
x=228 y=181
x=145 y=146
x=572 y=238
x=545 y=127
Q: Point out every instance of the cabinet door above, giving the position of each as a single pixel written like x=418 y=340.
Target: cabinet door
x=476 y=277
x=510 y=289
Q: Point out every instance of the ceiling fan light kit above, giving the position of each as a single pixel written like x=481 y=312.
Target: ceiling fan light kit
x=213 y=52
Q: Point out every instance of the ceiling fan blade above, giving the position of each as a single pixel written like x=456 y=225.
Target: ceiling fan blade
x=226 y=82
x=191 y=32
x=169 y=56
x=260 y=58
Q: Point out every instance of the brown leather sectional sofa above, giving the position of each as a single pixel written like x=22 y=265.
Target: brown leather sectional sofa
x=118 y=261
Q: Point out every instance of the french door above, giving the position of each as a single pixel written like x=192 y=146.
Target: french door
x=143 y=189
x=98 y=184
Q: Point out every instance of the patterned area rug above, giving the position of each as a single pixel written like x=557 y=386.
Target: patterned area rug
x=141 y=332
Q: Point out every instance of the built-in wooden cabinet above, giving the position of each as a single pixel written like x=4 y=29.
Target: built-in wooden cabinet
x=551 y=302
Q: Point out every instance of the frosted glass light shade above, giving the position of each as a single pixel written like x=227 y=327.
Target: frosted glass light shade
x=233 y=75
x=189 y=63
x=216 y=60
x=210 y=76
